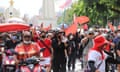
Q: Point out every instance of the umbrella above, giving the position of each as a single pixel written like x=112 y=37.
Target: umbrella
x=65 y=26
x=82 y=19
x=13 y=27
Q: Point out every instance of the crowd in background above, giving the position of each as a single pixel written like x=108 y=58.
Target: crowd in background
x=96 y=49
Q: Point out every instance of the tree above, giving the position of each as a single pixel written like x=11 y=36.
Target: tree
x=66 y=17
x=99 y=11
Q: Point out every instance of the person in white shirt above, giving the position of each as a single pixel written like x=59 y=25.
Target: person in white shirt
x=96 y=55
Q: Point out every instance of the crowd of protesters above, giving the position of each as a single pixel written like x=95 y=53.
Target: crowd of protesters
x=98 y=50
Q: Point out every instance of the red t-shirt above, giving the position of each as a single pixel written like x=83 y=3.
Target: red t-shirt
x=108 y=47
x=47 y=41
x=27 y=50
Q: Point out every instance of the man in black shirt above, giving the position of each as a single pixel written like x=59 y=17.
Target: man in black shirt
x=71 y=50
x=59 y=54
x=11 y=44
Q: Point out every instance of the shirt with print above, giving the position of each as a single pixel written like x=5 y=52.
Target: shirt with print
x=97 y=58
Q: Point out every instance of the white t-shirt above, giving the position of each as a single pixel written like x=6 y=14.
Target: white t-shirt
x=97 y=57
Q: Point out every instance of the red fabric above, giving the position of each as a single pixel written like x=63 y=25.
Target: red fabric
x=27 y=50
x=99 y=41
x=47 y=41
x=35 y=36
x=72 y=29
x=13 y=27
x=82 y=19
x=108 y=46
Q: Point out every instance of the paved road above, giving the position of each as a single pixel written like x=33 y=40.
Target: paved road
x=78 y=67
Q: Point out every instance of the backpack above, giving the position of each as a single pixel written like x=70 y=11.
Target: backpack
x=87 y=69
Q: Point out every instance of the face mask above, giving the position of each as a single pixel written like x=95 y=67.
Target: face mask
x=96 y=33
x=27 y=42
x=71 y=37
x=118 y=34
x=13 y=37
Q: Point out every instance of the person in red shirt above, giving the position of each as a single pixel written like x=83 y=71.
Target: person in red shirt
x=27 y=48
x=45 y=42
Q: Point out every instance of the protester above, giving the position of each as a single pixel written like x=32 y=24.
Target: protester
x=116 y=40
x=27 y=48
x=2 y=48
x=86 y=44
x=61 y=50
x=45 y=43
x=78 y=37
x=71 y=52
x=96 y=55
x=60 y=53
x=11 y=44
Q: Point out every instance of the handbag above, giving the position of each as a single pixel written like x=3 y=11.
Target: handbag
x=87 y=69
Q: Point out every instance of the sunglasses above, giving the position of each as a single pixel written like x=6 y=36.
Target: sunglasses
x=91 y=33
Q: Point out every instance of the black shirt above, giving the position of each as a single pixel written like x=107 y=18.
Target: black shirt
x=59 y=49
x=11 y=45
x=72 y=45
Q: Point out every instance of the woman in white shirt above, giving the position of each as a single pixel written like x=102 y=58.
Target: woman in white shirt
x=96 y=55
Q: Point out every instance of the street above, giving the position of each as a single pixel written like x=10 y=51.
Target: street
x=78 y=66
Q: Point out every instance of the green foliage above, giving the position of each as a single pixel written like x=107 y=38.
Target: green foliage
x=66 y=17
x=99 y=11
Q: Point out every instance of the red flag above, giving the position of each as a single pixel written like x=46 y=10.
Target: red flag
x=111 y=26
x=82 y=19
x=72 y=29
x=67 y=3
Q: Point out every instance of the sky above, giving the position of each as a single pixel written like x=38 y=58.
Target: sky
x=30 y=7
